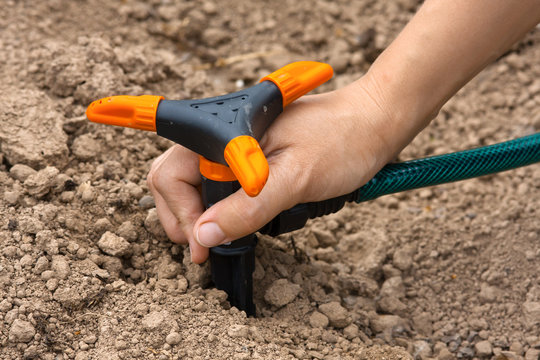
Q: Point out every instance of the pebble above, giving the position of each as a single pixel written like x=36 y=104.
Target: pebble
x=402 y=258
x=318 y=320
x=445 y=354
x=114 y=245
x=60 y=267
x=337 y=315
x=238 y=331
x=41 y=265
x=5 y=305
x=102 y=225
x=85 y=147
x=21 y=172
x=11 y=197
x=351 y=331
x=153 y=226
x=517 y=348
x=532 y=354
x=281 y=292
x=531 y=312
x=465 y=352
x=173 y=338
x=195 y=274
x=421 y=349
x=21 y=331
x=39 y=184
x=483 y=348
x=157 y=320
x=392 y=305
x=380 y=323
x=487 y=293
x=393 y=288
x=147 y=202
x=90 y=339
x=326 y=238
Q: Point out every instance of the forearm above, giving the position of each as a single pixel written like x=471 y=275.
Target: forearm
x=439 y=51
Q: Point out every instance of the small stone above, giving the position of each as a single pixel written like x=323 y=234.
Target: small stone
x=517 y=348
x=39 y=184
x=147 y=202
x=402 y=258
x=5 y=305
x=488 y=293
x=421 y=349
x=194 y=273
x=60 y=267
x=445 y=354
x=392 y=305
x=85 y=147
x=153 y=226
x=483 y=348
x=114 y=245
x=41 y=265
x=478 y=324
x=465 y=352
x=214 y=37
x=128 y=231
x=281 y=292
x=351 y=331
x=90 y=339
x=173 y=338
x=238 y=331
x=68 y=296
x=11 y=197
x=157 y=320
x=531 y=312
x=382 y=323
x=393 y=288
x=87 y=195
x=532 y=354
x=21 y=172
x=337 y=314
x=325 y=237
x=47 y=274
x=182 y=284
x=318 y=320
x=102 y=225
x=21 y=331
x=31 y=352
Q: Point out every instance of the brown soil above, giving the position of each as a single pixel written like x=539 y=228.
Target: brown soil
x=86 y=272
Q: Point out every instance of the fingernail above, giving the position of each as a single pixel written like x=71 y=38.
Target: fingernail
x=210 y=234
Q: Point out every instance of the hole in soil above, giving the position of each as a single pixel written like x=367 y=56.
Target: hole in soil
x=220 y=103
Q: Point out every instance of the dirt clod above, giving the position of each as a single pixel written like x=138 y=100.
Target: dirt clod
x=21 y=331
x=281 y=292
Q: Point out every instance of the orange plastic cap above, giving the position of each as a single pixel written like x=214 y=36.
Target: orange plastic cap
x=247 y=161
x=215 y=171
x=299 y=78
x=138 y=112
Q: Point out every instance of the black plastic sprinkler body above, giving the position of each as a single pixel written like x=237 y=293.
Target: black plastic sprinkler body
x=225 y=131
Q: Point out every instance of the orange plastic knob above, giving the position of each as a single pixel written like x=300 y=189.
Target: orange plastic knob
x=138 y=112
x=299 y=78
x=247 y=161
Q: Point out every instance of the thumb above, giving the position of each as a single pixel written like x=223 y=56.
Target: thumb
x=239 y=215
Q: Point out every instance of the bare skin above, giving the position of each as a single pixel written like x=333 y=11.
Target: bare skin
x=353 y=131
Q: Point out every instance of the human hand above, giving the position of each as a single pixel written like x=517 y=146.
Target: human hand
x=320 y=147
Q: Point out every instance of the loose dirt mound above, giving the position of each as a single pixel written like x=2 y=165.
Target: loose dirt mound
x=87 y=273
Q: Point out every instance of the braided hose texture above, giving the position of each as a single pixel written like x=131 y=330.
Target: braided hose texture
x=452 y=167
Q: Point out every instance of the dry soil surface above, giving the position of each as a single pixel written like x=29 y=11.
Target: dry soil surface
x=87 y=273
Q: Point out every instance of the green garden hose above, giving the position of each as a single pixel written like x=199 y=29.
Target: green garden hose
x=452 y=167
x=416 y=174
